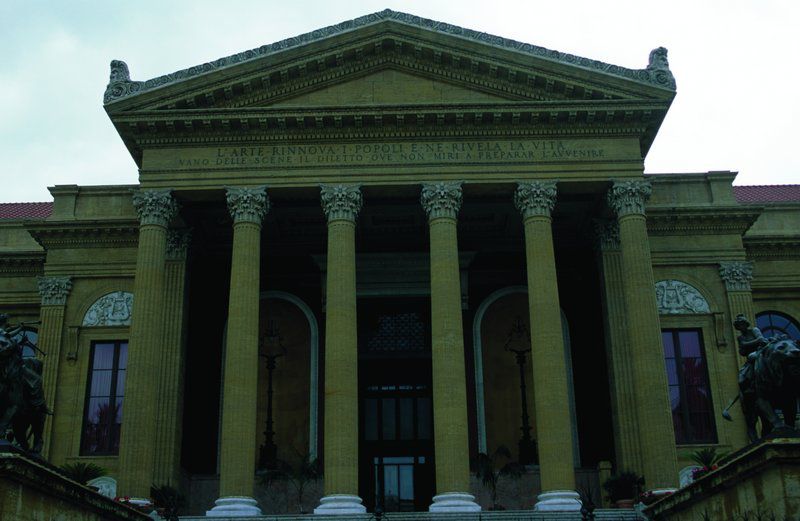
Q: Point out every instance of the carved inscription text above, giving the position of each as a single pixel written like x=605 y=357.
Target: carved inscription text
x=397 y=153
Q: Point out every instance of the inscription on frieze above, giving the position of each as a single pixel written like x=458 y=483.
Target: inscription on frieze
x=389 y=153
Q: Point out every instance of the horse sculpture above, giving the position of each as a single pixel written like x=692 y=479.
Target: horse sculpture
x=777 y=382
x=20 y=418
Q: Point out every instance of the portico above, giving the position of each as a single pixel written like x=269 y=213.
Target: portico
x=390 y=177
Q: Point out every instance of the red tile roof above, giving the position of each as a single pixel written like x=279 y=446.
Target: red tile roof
x=25 y=210
x=767 y=193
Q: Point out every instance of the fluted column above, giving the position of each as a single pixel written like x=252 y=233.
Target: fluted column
x=441 y=202
x=54 y=292
x=536 y=200
x=137 y=444
x=341 y=204
x=623 y=396
x=654 y=415
x=737 y=276
x=237 y=466
x=170 y=414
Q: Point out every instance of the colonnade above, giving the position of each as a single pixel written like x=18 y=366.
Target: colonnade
x=441 y=202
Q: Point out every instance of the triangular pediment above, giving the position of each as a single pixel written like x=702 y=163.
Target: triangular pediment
x=387 y=87
x=338 y=59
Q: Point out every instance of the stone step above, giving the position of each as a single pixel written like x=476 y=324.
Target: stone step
x=508 y=515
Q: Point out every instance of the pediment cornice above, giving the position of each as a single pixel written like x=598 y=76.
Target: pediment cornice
x=494 y=64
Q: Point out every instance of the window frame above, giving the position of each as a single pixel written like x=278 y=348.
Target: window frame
x=112 y=396
x=685 y=438
x=786 y=316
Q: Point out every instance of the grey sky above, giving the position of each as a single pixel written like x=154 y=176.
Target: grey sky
x=726 y=57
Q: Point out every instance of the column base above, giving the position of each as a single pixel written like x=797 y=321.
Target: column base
x=454 y=502
x=558 y=501
x=340 y=505
x=234 y=506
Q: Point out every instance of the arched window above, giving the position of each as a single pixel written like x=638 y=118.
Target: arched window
x=28 y=338
x=772 y=323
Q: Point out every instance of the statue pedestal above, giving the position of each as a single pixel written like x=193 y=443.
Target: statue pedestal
x=31 y=489
x=760 y=480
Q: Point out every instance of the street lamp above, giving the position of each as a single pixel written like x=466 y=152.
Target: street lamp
x=519 y=343
x=272 y=348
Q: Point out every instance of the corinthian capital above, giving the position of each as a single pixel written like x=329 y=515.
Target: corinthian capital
x=54 y=290
x=441 y=199
x=341 y=202
x=736 y=275
x=155 y=206
x=607 y=234
x=178 y=244
x=535 y=198
x=629 y=197
x=247 y=204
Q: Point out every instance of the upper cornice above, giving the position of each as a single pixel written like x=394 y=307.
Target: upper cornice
x=698 y=220
x=656 y=74
x=111 y=233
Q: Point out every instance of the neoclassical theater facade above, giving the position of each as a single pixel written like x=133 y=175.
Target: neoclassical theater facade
x=391 y=245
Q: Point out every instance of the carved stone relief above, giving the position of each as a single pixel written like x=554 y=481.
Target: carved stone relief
x=114 y=309
x=678 y=298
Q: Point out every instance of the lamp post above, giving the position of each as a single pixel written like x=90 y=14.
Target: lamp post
x=519 y=343
x=272 y=348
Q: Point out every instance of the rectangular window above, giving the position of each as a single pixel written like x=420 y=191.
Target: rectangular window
x=689 y=390
x=102 y=417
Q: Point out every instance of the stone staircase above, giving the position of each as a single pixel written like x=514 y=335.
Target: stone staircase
x=508 y=515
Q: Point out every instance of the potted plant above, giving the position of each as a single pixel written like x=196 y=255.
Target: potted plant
x=82 y=472
x=623 y=488
x=167 y=501
x=299 y=476
x=490 y=473
x=708 y=459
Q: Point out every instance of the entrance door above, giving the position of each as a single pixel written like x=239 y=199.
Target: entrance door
x=396 y=435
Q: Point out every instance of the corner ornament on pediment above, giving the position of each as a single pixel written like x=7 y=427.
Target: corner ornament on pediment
x=341 y=201
x=156 y=207
x=247 y=204
x=658 y=68
x=536 y=198
x=119 y=82
x=736 y=275
x=54 y=290
x=441 y=199
x=629 y=197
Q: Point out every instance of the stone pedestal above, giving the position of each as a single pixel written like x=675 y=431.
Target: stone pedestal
x=760 y=481
x=34 y=490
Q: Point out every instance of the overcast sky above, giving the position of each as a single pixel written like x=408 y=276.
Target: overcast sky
x=735 y=63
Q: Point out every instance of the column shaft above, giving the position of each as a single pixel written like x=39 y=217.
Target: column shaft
x=623 y=396
x=341 y=362
x=50 y=334
x=553 y=425
x=137 y=444
x=447 y=360
x=170 y=415
x=656 y=434
x=240 y=384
